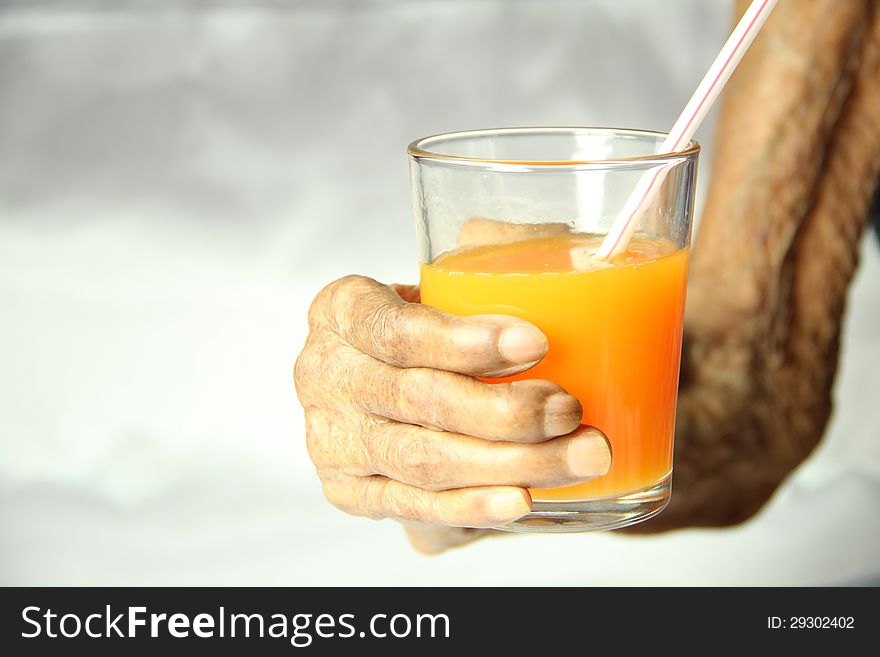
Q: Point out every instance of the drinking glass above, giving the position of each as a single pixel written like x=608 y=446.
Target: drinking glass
x=507 y=222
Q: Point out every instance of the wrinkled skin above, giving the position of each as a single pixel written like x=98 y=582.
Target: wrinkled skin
x=398 y=428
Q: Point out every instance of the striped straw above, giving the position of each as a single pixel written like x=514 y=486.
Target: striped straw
x=683 y=131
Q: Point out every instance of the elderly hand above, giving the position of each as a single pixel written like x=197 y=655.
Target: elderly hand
x=398 y=427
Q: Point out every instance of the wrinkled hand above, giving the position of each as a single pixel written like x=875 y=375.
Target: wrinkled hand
x=397 y=426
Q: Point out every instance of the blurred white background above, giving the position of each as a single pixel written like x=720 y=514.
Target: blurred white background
x=177 y=180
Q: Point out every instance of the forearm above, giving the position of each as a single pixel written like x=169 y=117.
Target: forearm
x=797 y=160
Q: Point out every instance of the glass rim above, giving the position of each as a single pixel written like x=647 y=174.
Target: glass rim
x=420 y=148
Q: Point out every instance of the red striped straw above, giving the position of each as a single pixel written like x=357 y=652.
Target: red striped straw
x=683 y=131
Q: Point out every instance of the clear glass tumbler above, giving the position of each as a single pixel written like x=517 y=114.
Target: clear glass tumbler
x=507 y=222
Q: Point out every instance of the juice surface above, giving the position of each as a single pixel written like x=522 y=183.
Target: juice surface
x=614 y=333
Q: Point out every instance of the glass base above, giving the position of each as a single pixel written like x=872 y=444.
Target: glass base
x=562 y=516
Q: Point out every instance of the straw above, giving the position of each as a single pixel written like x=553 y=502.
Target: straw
x=683 y=131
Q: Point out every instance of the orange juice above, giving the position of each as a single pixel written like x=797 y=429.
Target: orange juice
x=614 y=333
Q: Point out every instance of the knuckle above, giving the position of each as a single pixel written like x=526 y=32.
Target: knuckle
x=384 y=326
x=312 y=367
x=397 y=500
x=420 y=392
x=418 y=457
x=340 y=497
x=322 y=372
x=521 y=407
x=509 y=398
x=409 y=334
x=366 y=383
x=347 y=499
x=335 y=294
x=321 y=451
x=540 y=465
x=476 y=342
x=523 y=459
x=377 y=500
x=322 y=299
x=325 y=473
x=380 y=322
x=302 y=368
x=344 y=447
x=334 y=444
x=462 y=510
x=481 y=513
x=425 y=335
x=314 y=441
x=416 y=381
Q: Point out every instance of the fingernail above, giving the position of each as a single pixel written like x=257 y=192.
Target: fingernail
x=562 y=414
x=522 y=344
x=589 y=455
x=509 y=506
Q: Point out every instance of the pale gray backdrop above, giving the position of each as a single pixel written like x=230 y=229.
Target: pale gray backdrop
x=177 y=179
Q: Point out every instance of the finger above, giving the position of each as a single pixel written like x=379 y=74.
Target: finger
x=379 y=497
x=437 y=460
x=375 y=320
x=522 y=411
x=434 y=539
